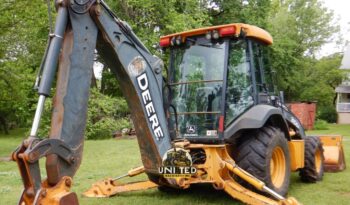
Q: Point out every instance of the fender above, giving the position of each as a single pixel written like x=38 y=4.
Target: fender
x=255 y=118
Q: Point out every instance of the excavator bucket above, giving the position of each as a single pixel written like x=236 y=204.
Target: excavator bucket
x=333 y=153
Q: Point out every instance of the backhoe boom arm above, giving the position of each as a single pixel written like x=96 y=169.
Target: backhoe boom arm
x=80 y=27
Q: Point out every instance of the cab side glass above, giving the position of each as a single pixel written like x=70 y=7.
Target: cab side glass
x=259 y=73
x=264 y=75
x=239 y=82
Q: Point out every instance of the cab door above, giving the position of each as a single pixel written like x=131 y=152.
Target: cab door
x=240 y=80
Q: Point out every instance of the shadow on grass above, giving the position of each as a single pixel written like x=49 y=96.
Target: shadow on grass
x=197 y=194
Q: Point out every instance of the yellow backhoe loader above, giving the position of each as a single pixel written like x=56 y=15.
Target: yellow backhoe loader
x=212 y=120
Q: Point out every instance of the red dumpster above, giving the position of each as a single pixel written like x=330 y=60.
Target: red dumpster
x=305 y=112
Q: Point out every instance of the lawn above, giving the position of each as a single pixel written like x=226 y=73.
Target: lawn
x=115 y=157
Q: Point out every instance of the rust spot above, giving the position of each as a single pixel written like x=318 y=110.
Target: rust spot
x=61 y=87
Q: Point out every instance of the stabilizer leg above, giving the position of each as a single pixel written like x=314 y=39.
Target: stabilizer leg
x=110 y=187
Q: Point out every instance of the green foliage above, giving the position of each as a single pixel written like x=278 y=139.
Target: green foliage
x=299 y=28
x=105 y=115
x=45 y=122
x=109 y=84
x=316 y=81
x=105 y=128
x=23 y=31
x=252 y=12
x=327 y=113
x=321 y=125
x=152 y=18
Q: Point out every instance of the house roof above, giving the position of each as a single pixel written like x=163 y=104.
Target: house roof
x=343 y=89
x=345 y=63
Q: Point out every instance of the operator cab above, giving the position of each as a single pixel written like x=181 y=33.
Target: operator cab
x=215 y=75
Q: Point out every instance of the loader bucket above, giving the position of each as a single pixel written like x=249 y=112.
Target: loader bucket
x=333 y=153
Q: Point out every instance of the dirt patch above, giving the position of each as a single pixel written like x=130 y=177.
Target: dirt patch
x=347 y=194
x=5 y=159
x=126 y=137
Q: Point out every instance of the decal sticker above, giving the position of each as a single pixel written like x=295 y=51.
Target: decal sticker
x=177 y=162
x=137 y=66
x=142 y=82
x=212 y=133
x=191 y=131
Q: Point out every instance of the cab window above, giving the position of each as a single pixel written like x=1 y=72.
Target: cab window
x=239 y=82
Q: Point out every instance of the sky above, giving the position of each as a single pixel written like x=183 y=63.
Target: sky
x=341 y=10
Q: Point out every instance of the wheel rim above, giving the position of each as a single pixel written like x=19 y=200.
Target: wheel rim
x=278 y=167
x=318 y=160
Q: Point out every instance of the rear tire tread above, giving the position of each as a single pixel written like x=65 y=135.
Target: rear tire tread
x=252 y=155
x=309 y=172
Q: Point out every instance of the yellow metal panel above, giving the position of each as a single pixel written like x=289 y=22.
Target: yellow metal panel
x=297 y=152
x=331 y=140
x=333 y=152
x=250 y=30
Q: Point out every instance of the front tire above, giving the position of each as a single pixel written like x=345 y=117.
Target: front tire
x=314 y=160
x=264 y=153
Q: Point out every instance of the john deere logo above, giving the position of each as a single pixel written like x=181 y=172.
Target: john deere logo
x=177 y=162
x=191 y=129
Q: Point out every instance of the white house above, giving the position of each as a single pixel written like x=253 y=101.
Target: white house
x=343 y=92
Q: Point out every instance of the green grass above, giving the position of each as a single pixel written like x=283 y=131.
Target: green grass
x=333 y=129
x=110 y=158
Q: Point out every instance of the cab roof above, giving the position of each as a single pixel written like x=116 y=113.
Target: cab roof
x=233 y=29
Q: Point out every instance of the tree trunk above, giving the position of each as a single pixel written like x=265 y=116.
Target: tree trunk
x=93 y=81
x=335 y=99
x=4 y=125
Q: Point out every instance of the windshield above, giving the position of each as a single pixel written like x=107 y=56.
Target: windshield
x=196 y=84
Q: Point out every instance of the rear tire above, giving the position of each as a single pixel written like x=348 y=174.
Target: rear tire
x=264 y=153
x=314 y=160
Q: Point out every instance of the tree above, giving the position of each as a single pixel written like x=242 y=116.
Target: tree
x=23 y=30
x=299 y=28
x=152 y=18
x=254 y=12
x=322 y=77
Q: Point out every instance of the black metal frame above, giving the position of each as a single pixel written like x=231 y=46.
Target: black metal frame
x=224 y=89
x=252 y=71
